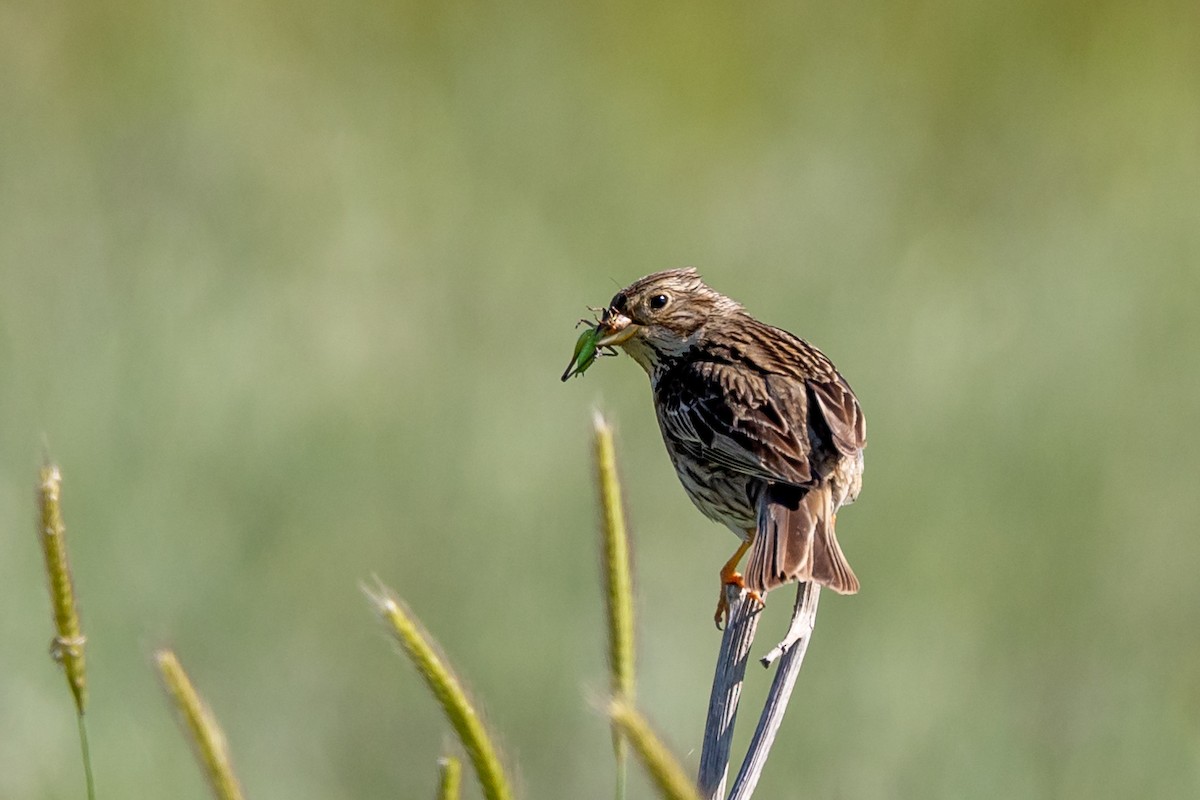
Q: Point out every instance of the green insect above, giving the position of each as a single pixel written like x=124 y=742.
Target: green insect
x=586 y=350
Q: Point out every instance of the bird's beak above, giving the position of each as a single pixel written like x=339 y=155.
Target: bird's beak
x=615 y=328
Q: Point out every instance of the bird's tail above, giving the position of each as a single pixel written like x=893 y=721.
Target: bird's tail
x=796 y=541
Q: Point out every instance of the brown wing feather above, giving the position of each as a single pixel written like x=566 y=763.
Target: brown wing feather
x=743 y=421
x=839 y=408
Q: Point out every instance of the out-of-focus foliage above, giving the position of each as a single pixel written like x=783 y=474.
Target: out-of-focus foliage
x=288 y=286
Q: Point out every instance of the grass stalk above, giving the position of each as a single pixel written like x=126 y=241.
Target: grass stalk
x=86 y=753
x=665 y=771
x=449 y=778
x=68 y=643
x=67 y=647
x=618 y=583
x=447 y=689
x=208 y=741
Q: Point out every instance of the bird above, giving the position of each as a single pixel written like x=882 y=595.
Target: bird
x=765 y=434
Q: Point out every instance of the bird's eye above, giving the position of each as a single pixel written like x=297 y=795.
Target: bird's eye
x=658 y=301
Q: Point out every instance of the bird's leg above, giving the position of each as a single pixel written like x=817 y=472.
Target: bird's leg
x=729 y=573
x=730 y=576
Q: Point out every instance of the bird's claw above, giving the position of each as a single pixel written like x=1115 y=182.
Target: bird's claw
x=721 y=618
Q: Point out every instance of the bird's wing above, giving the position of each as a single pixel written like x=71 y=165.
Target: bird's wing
x=829 y=394
x=839 y=410
x=742 y=420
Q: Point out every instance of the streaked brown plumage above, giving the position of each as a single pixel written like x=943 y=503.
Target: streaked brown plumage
x=765 y=434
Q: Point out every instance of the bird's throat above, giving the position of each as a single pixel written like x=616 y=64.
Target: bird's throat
x=643 y=353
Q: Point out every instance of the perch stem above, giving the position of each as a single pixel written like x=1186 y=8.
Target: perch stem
x=793 y=648
x=727 y=690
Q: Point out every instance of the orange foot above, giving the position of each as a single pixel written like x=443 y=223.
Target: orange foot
x=731 y=577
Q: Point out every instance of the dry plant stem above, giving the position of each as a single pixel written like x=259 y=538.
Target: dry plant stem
x=448 y=690
x=804 y=617
x=744 y=613
x=668 y=775
x=202 y=728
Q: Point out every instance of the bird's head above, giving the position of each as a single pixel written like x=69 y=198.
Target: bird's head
x=661 y=316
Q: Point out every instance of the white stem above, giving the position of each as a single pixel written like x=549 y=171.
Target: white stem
x=744 y=613
x=793 y=647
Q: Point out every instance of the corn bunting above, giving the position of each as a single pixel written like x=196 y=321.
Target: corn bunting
x=764 y=432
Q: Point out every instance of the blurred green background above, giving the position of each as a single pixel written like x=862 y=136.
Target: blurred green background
x=287 y=287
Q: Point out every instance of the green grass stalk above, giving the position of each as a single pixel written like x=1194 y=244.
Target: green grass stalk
x=447 y=689
x=618 y=582
x=67 y=646
x=201 y=726
x=449 y=778
x=664 y=769
x=86 y=753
